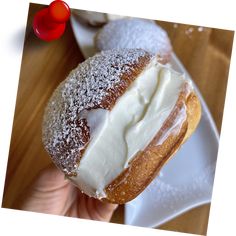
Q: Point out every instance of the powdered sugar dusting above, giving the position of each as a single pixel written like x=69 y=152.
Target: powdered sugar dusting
x=65 y=134
x=134 y=33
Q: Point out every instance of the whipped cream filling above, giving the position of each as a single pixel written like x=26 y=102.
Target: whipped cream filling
x=118 y=135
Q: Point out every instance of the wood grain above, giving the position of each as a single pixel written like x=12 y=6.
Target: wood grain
x=204 y=52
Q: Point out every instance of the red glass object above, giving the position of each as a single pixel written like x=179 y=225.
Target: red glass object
x=50 y=23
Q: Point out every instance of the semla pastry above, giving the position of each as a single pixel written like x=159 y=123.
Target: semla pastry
x=117 y=118
x=134 y=33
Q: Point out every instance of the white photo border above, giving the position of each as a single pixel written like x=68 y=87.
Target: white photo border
x=217 y=14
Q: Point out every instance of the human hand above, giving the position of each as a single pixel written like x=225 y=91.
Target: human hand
x=51 y=193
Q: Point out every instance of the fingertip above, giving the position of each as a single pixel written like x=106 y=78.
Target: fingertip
x=108 y=206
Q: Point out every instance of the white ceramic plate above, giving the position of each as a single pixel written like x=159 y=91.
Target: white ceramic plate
x=186 y=180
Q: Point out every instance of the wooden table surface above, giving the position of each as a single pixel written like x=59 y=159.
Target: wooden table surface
x=204 y=52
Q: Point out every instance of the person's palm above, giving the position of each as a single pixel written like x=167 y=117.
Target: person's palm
x=52 y=193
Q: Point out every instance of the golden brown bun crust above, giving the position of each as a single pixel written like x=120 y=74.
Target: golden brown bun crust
x=146 y=165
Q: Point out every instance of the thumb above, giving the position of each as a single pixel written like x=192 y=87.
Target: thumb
x=49 y=192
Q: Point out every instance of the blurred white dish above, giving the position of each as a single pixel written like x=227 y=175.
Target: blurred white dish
x=95 y=18
x=186 y=181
